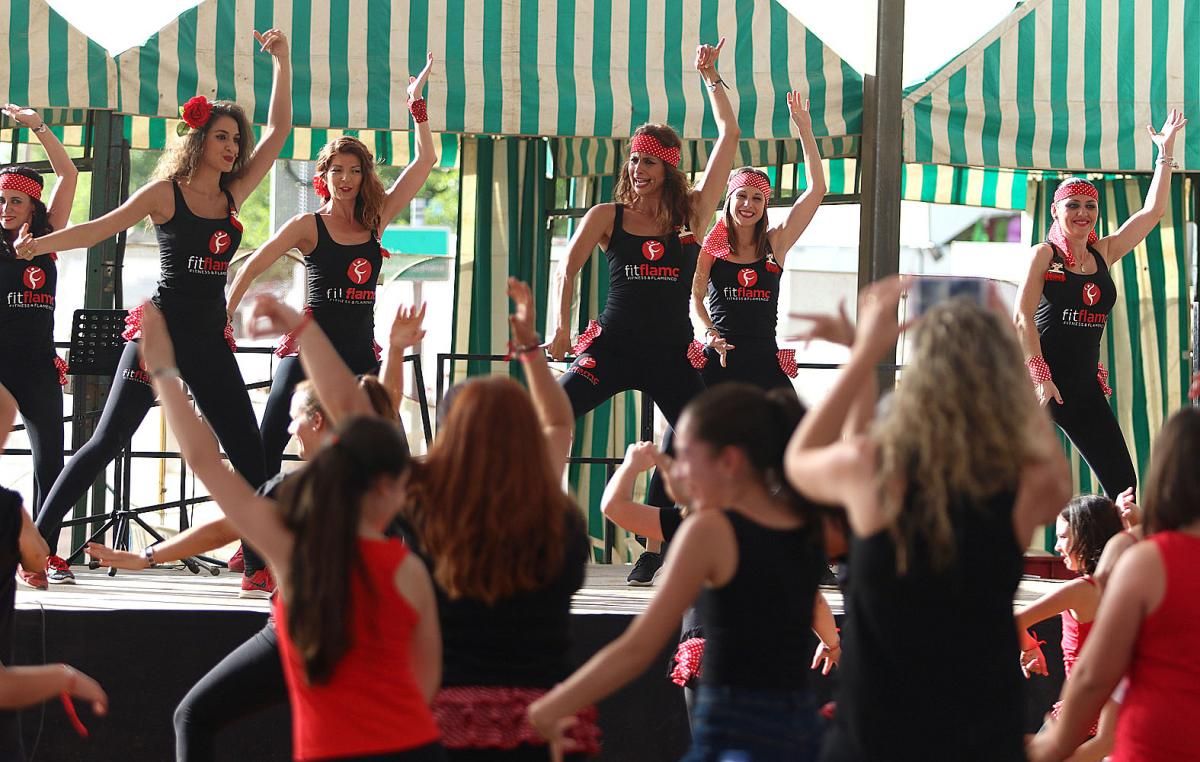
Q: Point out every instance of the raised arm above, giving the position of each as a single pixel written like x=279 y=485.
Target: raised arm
x=551 y=402
x=1135 y=229
x=279 y=117
x=413 y=583
x=253 y=516
x=618 y=505
x=300 y=232
x=592 y=232
x=406 y=332
x=785 y=235
x=58 y=208
x=707 y=193
x=336 y=386
x=154 y=200
x=425 y=159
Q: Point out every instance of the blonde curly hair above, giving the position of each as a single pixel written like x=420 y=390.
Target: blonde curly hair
x=958 y=426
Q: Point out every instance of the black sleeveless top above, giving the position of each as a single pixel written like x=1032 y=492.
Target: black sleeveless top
x=743 y=299
x=1071 y=316
x=650 y=284
x=194 y=254
x=28 y=288
x=341 y=287
x=755 y=625
x=10 y=555
x=929 y=667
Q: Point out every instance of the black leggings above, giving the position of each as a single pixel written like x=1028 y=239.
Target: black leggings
x=748 y=365
x=215 y=381
x=1086 y=418
x=611 y=365
x=248 y=680
x=31 y=377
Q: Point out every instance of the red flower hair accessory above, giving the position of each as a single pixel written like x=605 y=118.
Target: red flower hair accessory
x=195 y=114
x=320 y=187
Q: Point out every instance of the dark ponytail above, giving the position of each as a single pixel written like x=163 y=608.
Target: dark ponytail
x=39 y=222
x=757 y=422
x=322 y=507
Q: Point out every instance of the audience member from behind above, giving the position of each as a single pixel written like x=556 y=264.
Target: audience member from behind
x=942 y=493
x=1148 y=625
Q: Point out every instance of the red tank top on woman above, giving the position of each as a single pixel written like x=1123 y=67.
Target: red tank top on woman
x=371 y=704
x=1157 y=720
x=1074 y=633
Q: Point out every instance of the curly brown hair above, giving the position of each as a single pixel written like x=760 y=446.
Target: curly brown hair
x=675 y=206
x=183 y=157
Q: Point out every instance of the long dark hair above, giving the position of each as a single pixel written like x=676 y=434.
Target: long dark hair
x=39 y=222
x=322 y=507
x=182 y=158
x=676 y=202
x=1173 y=485
x=758 y=423
x=1091 y=521
x=760 y=227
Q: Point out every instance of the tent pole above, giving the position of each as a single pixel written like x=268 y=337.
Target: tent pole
x=1193 y=183
x=880 y=157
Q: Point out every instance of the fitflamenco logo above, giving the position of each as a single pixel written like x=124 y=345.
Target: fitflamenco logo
x=585 y=361
x=34 y=277
x=653 y=250
x=1091 y=294
x=359 y=271
x=747 y=277
x=220 y=242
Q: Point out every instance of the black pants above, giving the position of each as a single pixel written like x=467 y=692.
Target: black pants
x=611 y=365
x=215 y=381
x=249 y=679
x=30 y=376
x=523 y=753
x=748 y=365
x=1086 y=418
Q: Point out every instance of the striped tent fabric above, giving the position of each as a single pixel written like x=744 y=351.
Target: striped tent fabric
x=510 y=67
x=49 y=63
x=1146 y=343
x=1063 y=84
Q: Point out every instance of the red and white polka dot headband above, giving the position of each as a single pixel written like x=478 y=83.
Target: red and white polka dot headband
x=1076 y=188
x=19 y=182
x=750 y=179
x=646 y=143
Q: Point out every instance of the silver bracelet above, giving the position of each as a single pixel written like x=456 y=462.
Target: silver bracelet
x=1168 y=160
x=41 y=128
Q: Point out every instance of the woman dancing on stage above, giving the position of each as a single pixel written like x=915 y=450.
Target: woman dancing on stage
x=938 y=527
x=29 y=366
x=353 y=605
x=343 y=256
x=740 y=268
x=194 y=210
x=642 y=339
x=1064 y=303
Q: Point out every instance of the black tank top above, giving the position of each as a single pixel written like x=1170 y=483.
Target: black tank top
x=194 y=253
x=754 y=626
x=743 y=299
x=341 y=286
x=1071 y=316
x=10 y=555
x=929 y=668
x=29 y=288
x=649 y=284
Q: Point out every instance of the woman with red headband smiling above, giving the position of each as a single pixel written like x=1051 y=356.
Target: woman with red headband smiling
x=29 y=367
x=740 y=268
x=193 y=205
x=643 y=338
x=1063 y=305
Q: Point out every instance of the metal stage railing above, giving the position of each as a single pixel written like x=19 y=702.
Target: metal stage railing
x=119 y=487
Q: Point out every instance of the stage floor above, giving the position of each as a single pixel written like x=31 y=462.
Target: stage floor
x=176 y=589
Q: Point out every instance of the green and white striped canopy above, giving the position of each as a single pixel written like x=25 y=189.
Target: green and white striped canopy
x=587 y=68
x=1063 y=84
x=46 y=62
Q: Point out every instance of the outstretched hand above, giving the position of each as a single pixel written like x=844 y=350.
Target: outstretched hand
x=878 y=324
x=23 y=115
x=273 y=41
x=798 y=108
x=116 y=559
x=269 y=316
x=1165 y=138
x=523 y=316
x=416 y=85
x=406 y=327
x=706 y=57
x=836 y=329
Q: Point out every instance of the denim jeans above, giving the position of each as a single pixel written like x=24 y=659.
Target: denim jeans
x=732 y=724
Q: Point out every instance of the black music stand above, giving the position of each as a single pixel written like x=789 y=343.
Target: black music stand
x=95 y=350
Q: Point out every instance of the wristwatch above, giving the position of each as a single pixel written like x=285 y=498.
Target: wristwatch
x=148 y=554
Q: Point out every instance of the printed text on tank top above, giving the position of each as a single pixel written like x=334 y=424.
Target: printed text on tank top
x=28 y=284
x=342 y=273
x=195 y=251
x=1080 y=300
